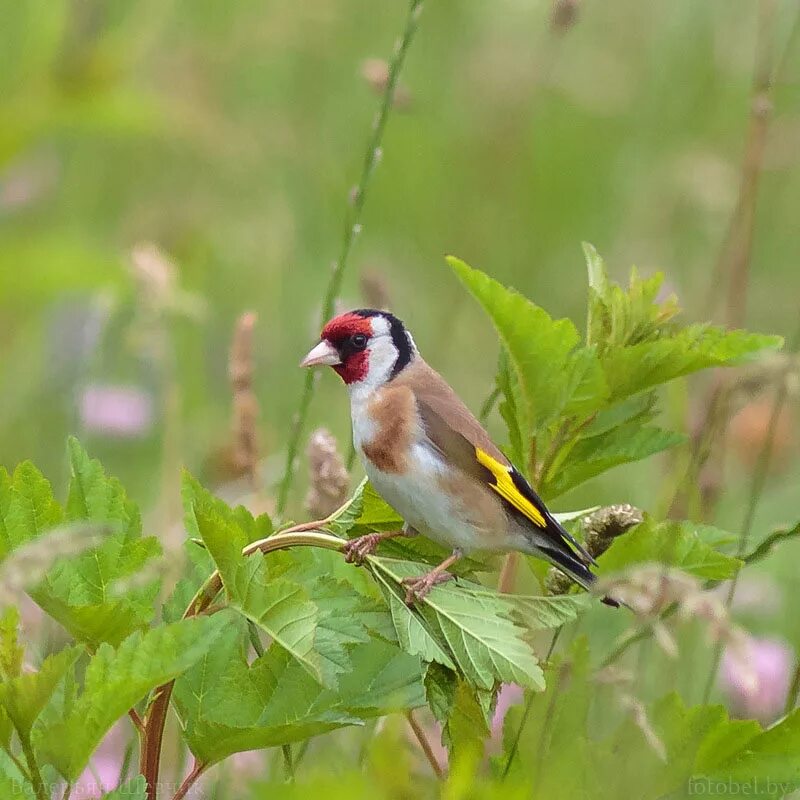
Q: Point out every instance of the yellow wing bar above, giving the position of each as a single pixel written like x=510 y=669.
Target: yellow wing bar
x=505 y=487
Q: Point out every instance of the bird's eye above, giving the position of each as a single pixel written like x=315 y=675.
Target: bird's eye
x=359 y=341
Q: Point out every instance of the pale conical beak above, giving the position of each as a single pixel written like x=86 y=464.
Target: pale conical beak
x=323 y=354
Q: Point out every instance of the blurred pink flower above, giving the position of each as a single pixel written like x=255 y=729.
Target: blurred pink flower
x=103 y=771
x=125 y=411
x=509 y=695
x=757 y=684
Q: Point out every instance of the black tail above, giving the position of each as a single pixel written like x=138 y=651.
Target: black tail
x=568 y=562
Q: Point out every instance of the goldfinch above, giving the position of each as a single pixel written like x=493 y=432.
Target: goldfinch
x=430 y=458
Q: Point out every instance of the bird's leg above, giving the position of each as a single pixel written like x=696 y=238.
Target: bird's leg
x=356 y=550
x=418 y=588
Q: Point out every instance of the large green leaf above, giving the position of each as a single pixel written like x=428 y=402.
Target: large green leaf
x=633 y=369
x=676 y=544
x=117 y=679
x=463 y=710
x=473 y=627
x=593 y=455
x=768 y=762
x=282 y=608
x=554 y=376
x=689 y=740
x=82 y=589
x=228 y=705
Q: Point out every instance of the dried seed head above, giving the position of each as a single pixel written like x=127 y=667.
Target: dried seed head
x=245 y=403
x=328 y=475
x=564 y=15
x=557 y=582
x=600 y=529
x=603 y=526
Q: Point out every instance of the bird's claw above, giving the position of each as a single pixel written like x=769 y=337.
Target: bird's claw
x=418 y=588
x=356 y=550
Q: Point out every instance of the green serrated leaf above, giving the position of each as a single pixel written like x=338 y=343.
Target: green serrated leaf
x=24 y=697
x=476 y=627
x=11 y=653
x=619 y=317
x=345 y=518
x=673 y=543
x=553 y=375
x=690 y=740
x=281 y=608
x=635 y=368
x=591 y=456
x=82 y=590
x=374 y=513
x=227 y=705
x=768 y=762
x=27 y=507
x=467 y=727
x=248 y=528
x=414 y=633
x=547 y=612
x=117 y=679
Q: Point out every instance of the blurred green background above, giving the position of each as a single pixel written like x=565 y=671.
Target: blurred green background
x=230 y=134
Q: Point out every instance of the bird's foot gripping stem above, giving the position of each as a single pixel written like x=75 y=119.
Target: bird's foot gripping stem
x=356 y=550
x=418 y=588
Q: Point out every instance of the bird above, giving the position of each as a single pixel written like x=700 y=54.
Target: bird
x=430 y=459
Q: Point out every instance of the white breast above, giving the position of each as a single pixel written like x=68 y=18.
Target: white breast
x=416 y=494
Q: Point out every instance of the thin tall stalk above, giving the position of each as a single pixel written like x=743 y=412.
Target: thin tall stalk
x=756 y=490
x=352 y=228
x=734 y=260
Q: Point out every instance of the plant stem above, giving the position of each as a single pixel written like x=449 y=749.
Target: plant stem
x=794 y=690
x=33 y=767
x=733 y=262
x=189 y=781
x=18 y=764
x=352 y=228
x=756 y=489
x=307 y=534
x=425 y=745
x=288 y=763
x=136 y=720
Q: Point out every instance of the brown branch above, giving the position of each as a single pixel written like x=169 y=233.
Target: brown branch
x=308 y=534
x=197 y=770
x=419 y=733
x=136 y=720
